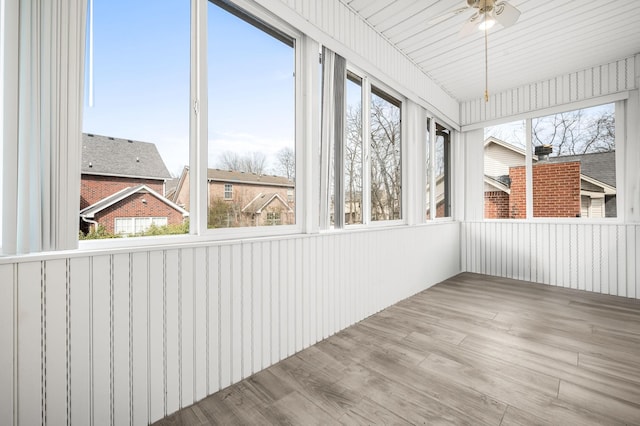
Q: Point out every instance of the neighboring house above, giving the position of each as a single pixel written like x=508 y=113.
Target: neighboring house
x=242 y=199
x=123 y=186
x=566 y=186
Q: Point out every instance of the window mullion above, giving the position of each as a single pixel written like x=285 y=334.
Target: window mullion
x=366 y=151
x=528 y=168
x=432 y=168
x=198 y=126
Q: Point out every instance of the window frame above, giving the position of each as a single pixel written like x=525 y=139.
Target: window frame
x=367 y=84
x=198 y=132
x=228 y=191
x=620 y=107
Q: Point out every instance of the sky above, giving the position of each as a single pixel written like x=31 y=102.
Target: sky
x=141 y=73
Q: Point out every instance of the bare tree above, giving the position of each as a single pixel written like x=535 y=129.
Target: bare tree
x=576 y=132
x=286 y=165
x=254 y=162
x=386 y=175
x=353 y=164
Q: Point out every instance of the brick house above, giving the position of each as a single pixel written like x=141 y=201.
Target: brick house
x=565 y=186
x=123 y=186
x=242 y=199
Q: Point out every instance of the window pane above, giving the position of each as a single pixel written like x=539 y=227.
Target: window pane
x=251 y=120
x=136 y=133
x=442 y=169
x=386 y=173
x=504 y=171
x=574 y=170
x=353 y=152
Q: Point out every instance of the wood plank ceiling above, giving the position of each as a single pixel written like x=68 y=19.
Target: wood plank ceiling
x=551 y=38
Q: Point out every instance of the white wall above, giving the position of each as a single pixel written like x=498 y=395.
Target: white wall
x=123 y=336
x=602 y=258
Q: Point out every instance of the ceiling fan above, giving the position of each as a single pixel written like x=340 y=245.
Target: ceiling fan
x=487 y=14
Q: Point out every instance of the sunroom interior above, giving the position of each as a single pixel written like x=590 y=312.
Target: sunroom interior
x=132 y=330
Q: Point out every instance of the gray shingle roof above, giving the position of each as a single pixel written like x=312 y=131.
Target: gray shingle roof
x=103 y=155
x=600 y=166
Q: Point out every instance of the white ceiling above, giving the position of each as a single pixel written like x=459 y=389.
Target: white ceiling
x=551 y=38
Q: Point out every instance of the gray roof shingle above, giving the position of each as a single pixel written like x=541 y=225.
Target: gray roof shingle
x=600 y=166
x=103 y=155
x=246 y=177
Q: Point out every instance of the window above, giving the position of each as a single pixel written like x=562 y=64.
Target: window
x=136 y=116
x=137 y=225
x=228 y=191
x=274 y=218
x=386 y=171
x=442 y=166
x=353 y=162
x=251 y=118
x=504 y=171
x=428 y=168
x=572 y=165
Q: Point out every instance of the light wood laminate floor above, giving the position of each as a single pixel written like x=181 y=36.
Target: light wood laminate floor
x=472 y=350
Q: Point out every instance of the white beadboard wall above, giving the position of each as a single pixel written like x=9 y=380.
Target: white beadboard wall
x=598 y=81
x=126 y=337
x=335 y=24
x=601 y=258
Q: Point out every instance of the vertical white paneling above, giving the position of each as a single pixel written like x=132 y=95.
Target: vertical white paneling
x=172 y=330
x=237 y=354
x=102 y=338
x=256 y=307
x=247 y=309
x=200 y=269
x=606 y=79
x=56 y=340
x=214 y=313
x=121 y=310
x=80 y=330
x=630 y=250
x=594 y=257
x=157 y=338
x=225 y=316
x=267 y=303
x=637 y=262
x=308 y=271
x=621 y=281
x=187 y=326
x=8 y=289
x=300 y=322
x=139 y=337
x=29 y=327
x=274 y=250
x=290 y=268
x=283 y=299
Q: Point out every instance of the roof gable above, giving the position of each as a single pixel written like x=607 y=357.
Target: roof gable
x=90 y=211
x=103 y=155
x=261 y=201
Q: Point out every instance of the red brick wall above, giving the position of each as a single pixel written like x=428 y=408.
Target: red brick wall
x=556 y=189
x=496 y=205
x=95 y=188
x=556 y=192
x=134 y=207
x=517 y=198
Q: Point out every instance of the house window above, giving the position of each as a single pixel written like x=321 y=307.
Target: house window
x=135 y=124
x=442 y=169
x=137 y=225
x=251 y=114
x=274 y=218
x=571 y=162
x=228 y=191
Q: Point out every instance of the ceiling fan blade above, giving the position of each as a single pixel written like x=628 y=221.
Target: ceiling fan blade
x=505 y=14
x=471 y=25
x=446 y=15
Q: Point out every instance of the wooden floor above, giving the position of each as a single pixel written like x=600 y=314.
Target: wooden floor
x=473 y=350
